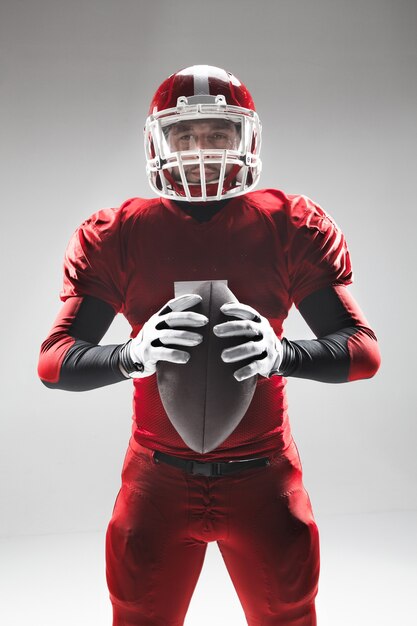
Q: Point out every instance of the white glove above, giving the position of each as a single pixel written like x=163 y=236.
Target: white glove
x=147 y=347
x=250 y=324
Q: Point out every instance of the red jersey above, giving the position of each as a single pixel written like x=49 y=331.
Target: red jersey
x=272 y=248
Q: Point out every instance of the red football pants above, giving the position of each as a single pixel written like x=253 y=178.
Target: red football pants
x=261 y=519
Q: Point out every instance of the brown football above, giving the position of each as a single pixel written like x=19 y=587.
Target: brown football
x=202 y=398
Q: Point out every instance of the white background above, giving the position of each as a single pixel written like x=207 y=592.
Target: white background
x=334 y=83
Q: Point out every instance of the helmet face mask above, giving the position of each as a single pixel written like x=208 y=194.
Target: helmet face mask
x=203 y=148
x=199 y=145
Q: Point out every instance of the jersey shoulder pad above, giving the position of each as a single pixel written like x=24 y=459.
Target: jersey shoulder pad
x=270 y=200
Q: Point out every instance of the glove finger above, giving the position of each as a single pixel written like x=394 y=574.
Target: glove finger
x=187 y=318
x=243 y=351
x=179 y=337
x=247 y=371
x=180 y=303
x=243 y=311
x=235 y=328
x=171 y=355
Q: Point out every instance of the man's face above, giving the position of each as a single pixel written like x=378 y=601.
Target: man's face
x=210 y=134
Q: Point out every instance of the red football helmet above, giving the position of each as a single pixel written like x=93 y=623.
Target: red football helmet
x=202 y=136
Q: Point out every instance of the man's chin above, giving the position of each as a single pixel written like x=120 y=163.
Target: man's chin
x=208 y=182
x=195 y=179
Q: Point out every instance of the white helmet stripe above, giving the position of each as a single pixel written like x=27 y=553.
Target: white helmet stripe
x=201 y=81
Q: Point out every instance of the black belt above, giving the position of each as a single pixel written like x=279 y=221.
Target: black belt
x=209 y=469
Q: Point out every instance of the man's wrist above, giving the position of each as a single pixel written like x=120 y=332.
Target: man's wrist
x=288 y=359
x=281 y=362
x=275 y=371
x=126 y=364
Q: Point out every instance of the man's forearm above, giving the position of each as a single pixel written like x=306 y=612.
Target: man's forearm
x=70 y=358
x=346 y=348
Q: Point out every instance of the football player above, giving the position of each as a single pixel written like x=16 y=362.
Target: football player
x=274 y=249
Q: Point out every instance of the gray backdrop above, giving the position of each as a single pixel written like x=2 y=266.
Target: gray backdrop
x=334 y=83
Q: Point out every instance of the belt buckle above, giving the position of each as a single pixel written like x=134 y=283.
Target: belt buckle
x=205 y=469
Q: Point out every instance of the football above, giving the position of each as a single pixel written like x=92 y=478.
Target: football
x=202 y=398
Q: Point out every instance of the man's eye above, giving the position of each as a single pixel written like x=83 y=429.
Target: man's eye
x=185 y=137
